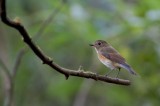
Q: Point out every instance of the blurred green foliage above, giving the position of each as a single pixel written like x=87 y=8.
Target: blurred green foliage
x=131 y=26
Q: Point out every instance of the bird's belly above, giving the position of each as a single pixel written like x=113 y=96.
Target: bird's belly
x=107 y=62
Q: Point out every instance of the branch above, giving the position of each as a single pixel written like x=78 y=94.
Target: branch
x=9 y=78
x=47 y=60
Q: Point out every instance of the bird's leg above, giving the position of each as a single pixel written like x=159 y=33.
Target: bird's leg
x=118 y=72
x=108 y=73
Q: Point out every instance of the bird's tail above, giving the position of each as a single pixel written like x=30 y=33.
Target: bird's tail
x=128 y=68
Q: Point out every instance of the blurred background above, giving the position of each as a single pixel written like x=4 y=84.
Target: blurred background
x=64 y=30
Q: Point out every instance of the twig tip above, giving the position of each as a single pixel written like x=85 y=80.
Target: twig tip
x=66 y=76
x=17 y=20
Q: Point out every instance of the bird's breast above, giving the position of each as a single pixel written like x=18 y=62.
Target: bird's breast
x=106 y=62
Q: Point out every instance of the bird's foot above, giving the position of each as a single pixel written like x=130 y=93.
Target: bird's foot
x=108 y=73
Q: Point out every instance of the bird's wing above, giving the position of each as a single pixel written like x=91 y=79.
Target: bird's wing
x=108 y=49
x=113 y=55
x=116 y=58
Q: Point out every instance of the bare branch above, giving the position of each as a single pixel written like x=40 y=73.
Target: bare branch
x=9 y=78
x=46 y=60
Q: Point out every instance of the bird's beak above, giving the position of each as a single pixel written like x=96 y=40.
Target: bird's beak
x=91 y=44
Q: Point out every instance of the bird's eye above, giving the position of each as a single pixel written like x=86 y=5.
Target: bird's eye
x=99 y=43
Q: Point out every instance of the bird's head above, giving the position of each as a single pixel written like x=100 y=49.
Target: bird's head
x=99 y=44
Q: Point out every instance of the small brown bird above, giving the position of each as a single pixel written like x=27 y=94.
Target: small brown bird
x=110 y=57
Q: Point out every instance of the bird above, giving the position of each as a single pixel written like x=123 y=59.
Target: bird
x=110 y=57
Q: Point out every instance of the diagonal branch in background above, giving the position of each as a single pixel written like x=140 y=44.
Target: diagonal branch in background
x=48 y=20
x=17 y=62
x=5 y=69
x=46 y=60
